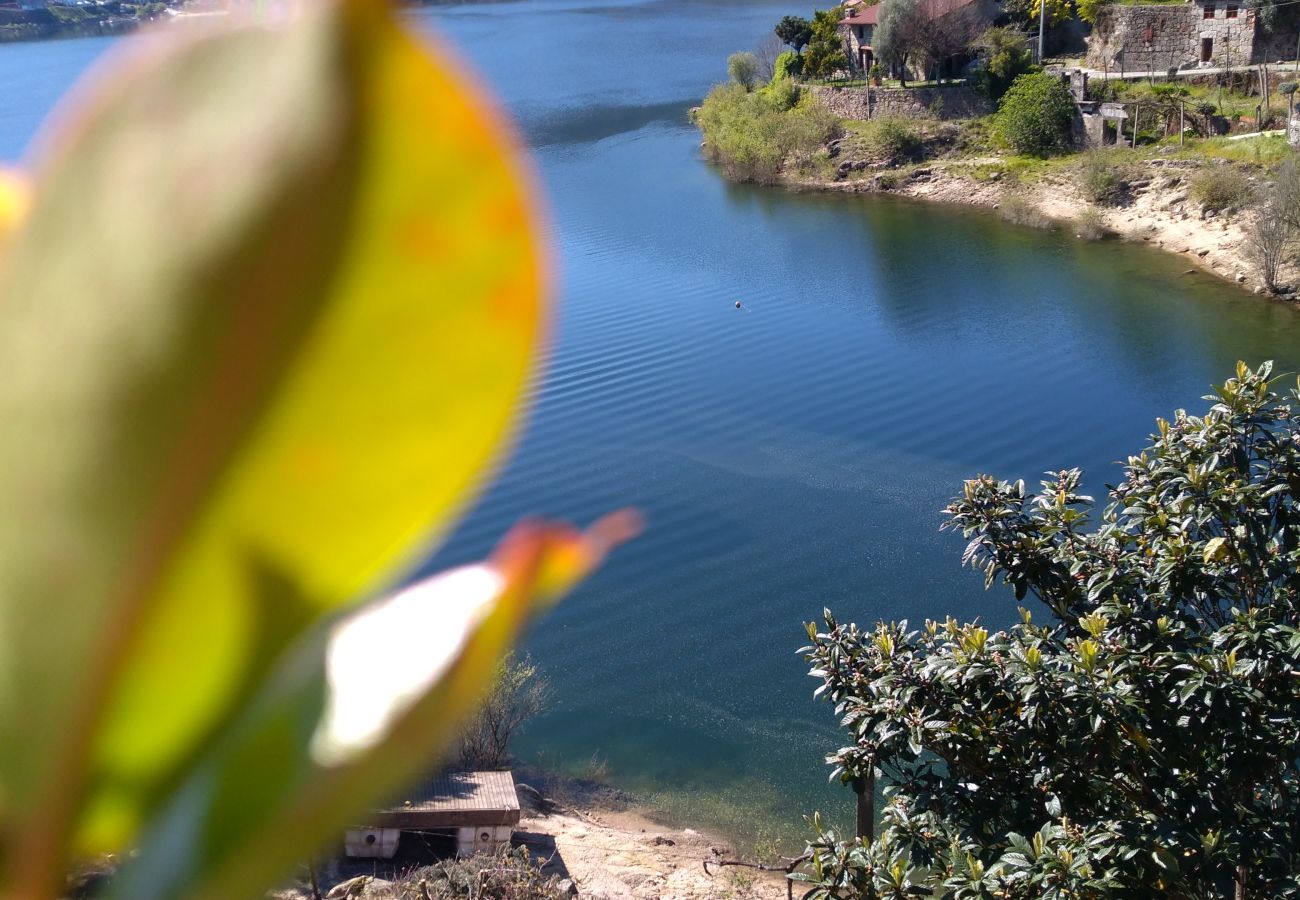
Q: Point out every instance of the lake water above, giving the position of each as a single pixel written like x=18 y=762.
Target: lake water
x=788 y=456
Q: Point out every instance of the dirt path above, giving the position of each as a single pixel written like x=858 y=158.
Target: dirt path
x=622 y=855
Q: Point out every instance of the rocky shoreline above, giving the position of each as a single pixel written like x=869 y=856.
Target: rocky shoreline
x=45 y=25
x=1155 y=208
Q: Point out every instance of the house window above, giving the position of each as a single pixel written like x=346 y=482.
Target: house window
x=1208 y=11
x=1232 y=11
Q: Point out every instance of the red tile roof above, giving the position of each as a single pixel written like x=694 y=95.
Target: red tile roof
x=863 y=15
x=934 y=9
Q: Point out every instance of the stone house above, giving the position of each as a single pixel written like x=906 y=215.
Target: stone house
x=857 y=28
x=1198 y=33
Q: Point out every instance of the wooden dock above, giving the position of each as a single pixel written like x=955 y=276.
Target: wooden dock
x=454 y=800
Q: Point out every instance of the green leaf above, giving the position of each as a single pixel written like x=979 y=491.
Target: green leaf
x=265 y=327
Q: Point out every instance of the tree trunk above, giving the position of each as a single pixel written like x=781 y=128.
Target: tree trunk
x=1240 y=892
x=865 y=788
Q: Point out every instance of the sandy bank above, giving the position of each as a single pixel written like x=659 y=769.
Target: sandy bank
x=624 y=855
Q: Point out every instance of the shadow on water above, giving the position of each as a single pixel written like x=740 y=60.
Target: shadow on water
x=596 y=123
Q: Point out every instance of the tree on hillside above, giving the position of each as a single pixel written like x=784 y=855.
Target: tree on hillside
x=952 y=34
x=767 y=52
x=1143 y=740
x=908 y=32
x=794 y=31
x=742 y=68
x=899 y=34
x=825 y=56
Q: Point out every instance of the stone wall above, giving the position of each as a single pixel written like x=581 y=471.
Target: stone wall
x=958 y=102
x=1156 y=38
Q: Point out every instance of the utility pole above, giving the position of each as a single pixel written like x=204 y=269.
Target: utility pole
x=1042 y=19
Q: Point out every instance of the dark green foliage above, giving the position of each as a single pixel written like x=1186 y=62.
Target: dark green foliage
x=1143 y=742
x=825 y=56
x=1006 y=56
x=788 y=65
x=1287 y=88
x=1035 y=115
x=1275 y=16
x=794 y=31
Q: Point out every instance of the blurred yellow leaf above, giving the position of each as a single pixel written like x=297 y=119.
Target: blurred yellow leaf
x=265 y=325
x=15 y=198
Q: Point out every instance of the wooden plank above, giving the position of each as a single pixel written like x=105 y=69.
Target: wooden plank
x=453 y=800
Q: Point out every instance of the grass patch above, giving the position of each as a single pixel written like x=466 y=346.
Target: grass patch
x=1100 y=180
x=1266 y=151
x=891 y=140
x=1220 y=187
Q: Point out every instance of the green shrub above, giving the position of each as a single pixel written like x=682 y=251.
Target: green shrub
x=1098 y=180
x=888 y=181
x=1035 y=115
x=788 y=65
x=1222 y=186
x=784 y=94
x=892 y=140
x=754 y=135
